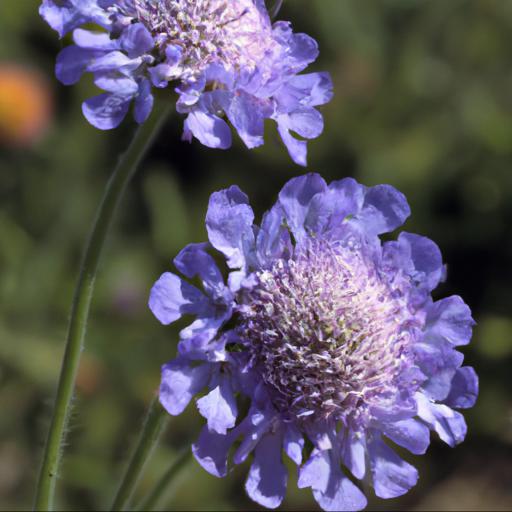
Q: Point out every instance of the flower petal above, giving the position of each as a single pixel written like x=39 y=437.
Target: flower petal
x=301 y=49
x=464 y=390
x=267 y=478
x=273 y=239
x=194 y=260
x=171 y=297
x=306 y=122
x=316 y=471
x=95 y=40
x=143 y=102
x=293 y=444
x=392 y=476
x=341 y=494
x=205 y=327
x=254 y=426
x=180 y=382
x=310 y=90
x=354 y=453
x=219 y=407
x=439 y=365
x=66 y=15
x=136 y=40
x=449 y=424
x=247 y=116
x=72 y=62
x=329 y=209
x=210 y=130
x=229 y=222
x=297 y=149
x=106 y=111
x=113 y=61
x=295 y=199
x=202 y=346
x=385 y=208
x=331 y=488
x=450 y=319
x=211 y=451
x=411 y=434
x=117 y=83
x=63 y=19
x=426 y=258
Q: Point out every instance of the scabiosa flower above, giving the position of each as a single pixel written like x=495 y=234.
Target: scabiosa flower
x=328 y=337
x=225 y=59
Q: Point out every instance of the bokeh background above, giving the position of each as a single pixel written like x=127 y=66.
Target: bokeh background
x=423 y=102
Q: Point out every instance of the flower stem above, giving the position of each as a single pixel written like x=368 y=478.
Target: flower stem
x=164 y=484
x=154 y=424
x=127 y=165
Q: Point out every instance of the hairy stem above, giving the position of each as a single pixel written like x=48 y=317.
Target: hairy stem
x=154 y=424
x=128 y=164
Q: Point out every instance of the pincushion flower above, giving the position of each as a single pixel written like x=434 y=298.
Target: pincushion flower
x=330 y=334
x=226 y=61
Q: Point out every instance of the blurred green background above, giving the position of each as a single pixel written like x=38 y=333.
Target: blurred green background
x=423 y=101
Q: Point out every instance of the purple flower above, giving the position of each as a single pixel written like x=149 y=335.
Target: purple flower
x=225 y=59
x=331 y=334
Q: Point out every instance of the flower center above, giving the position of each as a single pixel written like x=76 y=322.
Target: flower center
x=233 y=33
x=325 y=332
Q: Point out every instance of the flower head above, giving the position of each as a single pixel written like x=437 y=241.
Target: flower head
x=331 y=334
x=225 y=59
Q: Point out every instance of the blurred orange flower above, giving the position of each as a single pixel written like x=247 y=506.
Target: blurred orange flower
x=26 y=105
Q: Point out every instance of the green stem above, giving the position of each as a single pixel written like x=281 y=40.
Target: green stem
x=154 y=423
x=128 y=164
x=164 y=484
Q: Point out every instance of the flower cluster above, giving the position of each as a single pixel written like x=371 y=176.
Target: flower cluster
x=328 y=336
x=225 y=58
